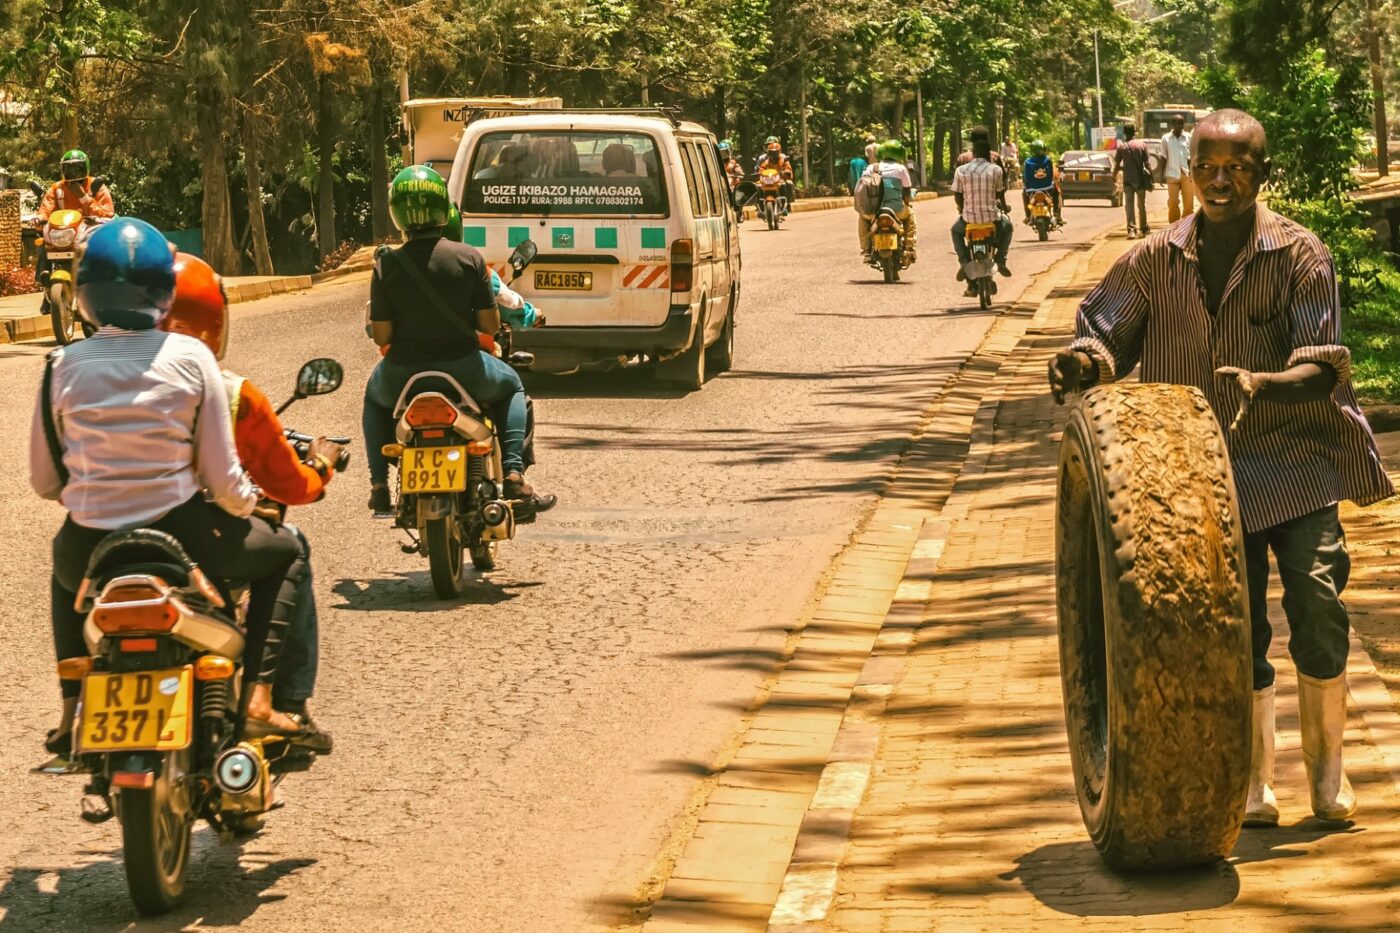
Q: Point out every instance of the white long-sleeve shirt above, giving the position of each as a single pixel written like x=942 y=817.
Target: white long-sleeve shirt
x=143 y=420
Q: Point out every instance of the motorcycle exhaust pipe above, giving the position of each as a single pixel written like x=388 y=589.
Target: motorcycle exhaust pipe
x=237 y=770
x=495 y=513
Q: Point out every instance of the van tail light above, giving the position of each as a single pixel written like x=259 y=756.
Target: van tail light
x=682 y=267
x=135 y=607
x=430 y=411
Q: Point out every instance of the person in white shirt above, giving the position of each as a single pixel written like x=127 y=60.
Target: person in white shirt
x=131 y=429
x=897 y=191
x=979 y=188
x=1176 y=151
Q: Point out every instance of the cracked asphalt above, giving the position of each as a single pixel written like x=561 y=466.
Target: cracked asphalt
x=517 y=759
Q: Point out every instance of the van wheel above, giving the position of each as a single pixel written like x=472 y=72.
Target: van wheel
x=721 y=355
x=688 y=369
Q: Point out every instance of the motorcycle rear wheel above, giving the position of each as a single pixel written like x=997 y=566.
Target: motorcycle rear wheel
x=444 y=542
x=155 y=848
x=890 y=267
x=1042 y=228
x=984 y=293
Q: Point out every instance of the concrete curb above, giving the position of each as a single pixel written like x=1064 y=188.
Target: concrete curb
x=826 y=204
x=767 y=841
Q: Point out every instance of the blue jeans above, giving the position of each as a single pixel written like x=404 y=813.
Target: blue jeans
x=1313 y=564
x=1002 y=243
x=296 y=674
x=490 y=381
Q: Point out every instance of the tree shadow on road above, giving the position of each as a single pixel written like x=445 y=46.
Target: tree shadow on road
x=226 y=886
x=412 y=591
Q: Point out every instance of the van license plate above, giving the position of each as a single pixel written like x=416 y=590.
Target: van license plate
x=564 y=281
x=433 y=469
x=139 y=710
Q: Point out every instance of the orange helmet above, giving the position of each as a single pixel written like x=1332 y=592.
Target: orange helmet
x=200 y=309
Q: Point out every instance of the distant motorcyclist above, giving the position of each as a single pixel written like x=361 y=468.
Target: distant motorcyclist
x=773 y=156
x=1041 y=174
x=200 y=310
x=733 y=168
x=897 y=193
x=422 y=337
x=74 y=190
x=979 y=189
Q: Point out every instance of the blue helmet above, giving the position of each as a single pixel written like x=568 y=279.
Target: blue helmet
x=126 y=276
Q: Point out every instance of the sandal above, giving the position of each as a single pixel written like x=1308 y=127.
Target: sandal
x=60 y=744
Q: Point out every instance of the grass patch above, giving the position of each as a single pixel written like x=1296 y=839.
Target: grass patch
x=1371 y=328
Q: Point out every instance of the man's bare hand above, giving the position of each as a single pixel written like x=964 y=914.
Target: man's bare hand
x=1067 y=369
x=1249 y=385
x=328 y=450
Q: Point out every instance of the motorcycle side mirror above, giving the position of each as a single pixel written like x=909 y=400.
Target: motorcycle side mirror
x=525 y=253
x=742 y=194
x=319 y=377
x=37 y=188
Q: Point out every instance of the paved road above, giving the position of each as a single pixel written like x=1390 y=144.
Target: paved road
x=515 y=760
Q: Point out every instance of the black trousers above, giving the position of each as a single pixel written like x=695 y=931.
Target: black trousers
x=225 y=547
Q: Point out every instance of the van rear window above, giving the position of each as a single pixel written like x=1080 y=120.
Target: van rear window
x=565 y=172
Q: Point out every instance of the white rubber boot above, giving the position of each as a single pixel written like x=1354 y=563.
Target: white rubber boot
x=1322 y=709
x=1262 y=808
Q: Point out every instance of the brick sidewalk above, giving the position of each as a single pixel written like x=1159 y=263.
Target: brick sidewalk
x=970 y=819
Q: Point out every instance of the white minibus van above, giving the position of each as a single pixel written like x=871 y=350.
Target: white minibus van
x=637 y=235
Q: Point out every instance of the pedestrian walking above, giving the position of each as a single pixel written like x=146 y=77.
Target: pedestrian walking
x=1242 y=304
x=1131 y=159
x=854 y=170
x=1176 y=151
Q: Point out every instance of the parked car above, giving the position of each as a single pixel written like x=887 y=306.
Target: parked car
x=637 y=230
x=1087 y=175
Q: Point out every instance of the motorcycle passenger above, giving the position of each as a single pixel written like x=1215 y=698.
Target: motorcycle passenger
x=1041 y=174
x=200 y=310
x=979 y=189
x=421 y=337
x=897 y=193
x=733 y=168
x=131 y=430
x=774 y=156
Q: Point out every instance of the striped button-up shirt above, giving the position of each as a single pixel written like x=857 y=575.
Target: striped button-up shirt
x=978 y=182
x=1280 y=308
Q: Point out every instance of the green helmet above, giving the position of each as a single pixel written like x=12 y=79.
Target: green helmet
x=770 y=140
x=1038 y=146
x=726 y=144
x=418 y=200
x=892 y=150
x=453 y=230
x=74 y=164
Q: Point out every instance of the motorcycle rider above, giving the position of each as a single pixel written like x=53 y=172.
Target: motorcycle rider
x=979 y=189
x=200 y=310
x=897 y=192
x=1041 y=174
x=422 y=338
x=131 y=430
x=73 y=190
x=774 y=156
x=733 y=168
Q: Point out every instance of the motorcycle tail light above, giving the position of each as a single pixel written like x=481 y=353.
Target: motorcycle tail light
x=682 y=265
x=135 y=607
x=213 y=667
x=138 y=645
x=885 y=222
x=430 y=411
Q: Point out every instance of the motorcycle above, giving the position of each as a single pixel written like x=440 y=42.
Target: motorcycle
x=772 y=204
x=981 y=244
x=887 y=240
x=159 y=728
x=450 y=498
x=1043 y=217
x=62 y=236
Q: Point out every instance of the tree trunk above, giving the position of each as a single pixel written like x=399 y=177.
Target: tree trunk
x=378 y=166
x=897 y=124
x=325 y=131
x=921 y=159
x=721 y=115
x=830 y=155
x=940 y=140
x=802 y=110
x=215 y=208
x=1373 y=42
x=68 y=133
x=957 y=142
x=252 y=169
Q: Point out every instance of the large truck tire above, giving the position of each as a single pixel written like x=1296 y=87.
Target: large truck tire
x=1154 y=626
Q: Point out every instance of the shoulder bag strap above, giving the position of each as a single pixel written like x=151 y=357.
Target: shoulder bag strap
x=50 y=429
x=430 y=293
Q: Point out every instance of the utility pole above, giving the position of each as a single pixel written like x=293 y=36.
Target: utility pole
x=1098 y=81
x=802 y=109
x=919 y=131
x=1373 y=40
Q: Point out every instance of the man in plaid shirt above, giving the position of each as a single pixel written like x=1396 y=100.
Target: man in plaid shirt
x=979 y=188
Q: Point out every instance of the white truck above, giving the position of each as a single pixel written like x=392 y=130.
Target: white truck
x=432 y=126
